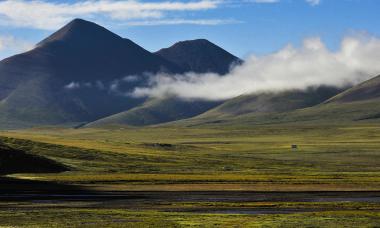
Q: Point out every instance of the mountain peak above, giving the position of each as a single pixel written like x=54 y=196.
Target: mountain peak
x=190 y=44
x=199 y=56
x=80 y=21
x=194 y=42
x=79 y=30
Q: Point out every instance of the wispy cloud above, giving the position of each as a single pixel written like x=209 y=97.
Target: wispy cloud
x=50 y=15
x=43 y=14
x=9 y=43
x=313 y=2
x=290 y=68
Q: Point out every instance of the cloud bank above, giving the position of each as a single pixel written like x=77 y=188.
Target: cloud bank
x=312 y=64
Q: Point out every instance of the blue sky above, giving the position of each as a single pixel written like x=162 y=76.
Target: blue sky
x=241 y=27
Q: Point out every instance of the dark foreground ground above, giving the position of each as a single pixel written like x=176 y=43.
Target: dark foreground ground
x=235 y=202
x=47 y=204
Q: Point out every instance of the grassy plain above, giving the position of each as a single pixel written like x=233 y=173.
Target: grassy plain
x=257 y=158
x=51 y=216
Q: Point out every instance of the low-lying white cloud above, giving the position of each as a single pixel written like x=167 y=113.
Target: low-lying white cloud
x=50 y=15
x=357 y=59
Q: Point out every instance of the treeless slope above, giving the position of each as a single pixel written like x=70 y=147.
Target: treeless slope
x=357 y=104
x=156 y=111
x=367 y=90
x=275 y=102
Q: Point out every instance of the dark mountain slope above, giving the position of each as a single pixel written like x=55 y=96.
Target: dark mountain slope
x=82 y=50
x=199 y=56
x=68 y=77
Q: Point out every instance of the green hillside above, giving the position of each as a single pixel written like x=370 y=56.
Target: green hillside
x=156 y=111
x=264 y=107
x=353 y=112
x=367 y=90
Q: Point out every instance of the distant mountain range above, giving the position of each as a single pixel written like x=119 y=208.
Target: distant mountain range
x=77 y=75
x=80 y=75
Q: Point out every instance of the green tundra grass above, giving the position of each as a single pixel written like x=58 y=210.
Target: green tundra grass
x=85 y=217
x=258 y=158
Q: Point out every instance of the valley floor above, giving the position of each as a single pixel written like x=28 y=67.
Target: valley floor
x=166 y=176
x=194 y=208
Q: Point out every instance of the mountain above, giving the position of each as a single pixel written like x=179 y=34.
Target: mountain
x=171 y=109
x=81 y=73
x=73 y=76
x=156 y=111
x=199 y=56
x=85 y=51
x=274 y=102
x=368 y=90
x=264 y=107
x=360 y=103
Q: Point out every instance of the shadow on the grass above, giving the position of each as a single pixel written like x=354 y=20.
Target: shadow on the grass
x=17 y=186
